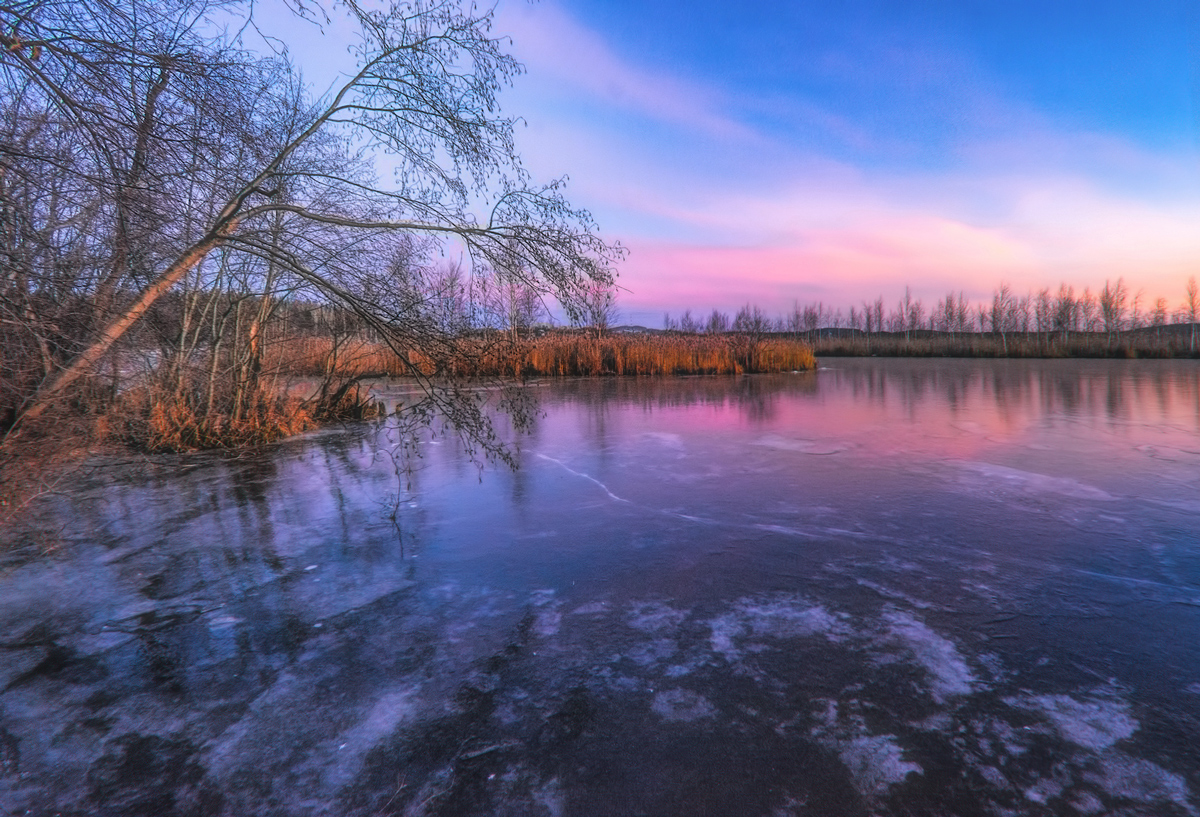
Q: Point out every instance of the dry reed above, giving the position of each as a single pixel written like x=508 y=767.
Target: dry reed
x=557 y=354
x=150 y=418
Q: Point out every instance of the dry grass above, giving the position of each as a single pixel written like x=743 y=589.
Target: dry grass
x=567 y=354
x=154 y=419
x=316 y=356
x=168 y=411
x=555 y=354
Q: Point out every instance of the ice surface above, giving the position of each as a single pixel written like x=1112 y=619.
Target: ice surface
x=681 y=705
x=847 y=635
x=665 y=439
x=771 y=617
x=1140 y=780
x=813 y=447
x=875 y=762
x=1095 y=723
x=948 y=672
x=1000 y=476
x=787 y=617
x=655 y=617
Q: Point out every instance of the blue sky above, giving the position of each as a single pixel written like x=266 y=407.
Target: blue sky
x=839 y=151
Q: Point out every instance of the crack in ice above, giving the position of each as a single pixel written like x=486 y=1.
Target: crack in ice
x=588 y=477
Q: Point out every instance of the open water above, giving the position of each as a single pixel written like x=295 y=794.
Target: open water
x=890 y=587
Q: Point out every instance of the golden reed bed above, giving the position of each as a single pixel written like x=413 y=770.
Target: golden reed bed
x=555 y=354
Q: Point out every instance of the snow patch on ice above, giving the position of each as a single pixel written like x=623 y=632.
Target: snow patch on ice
x=652 y=652
x=550 y=797
x=655 y=617
x=948 y=673
x=1033 y=483
x=896 y=595
x=681 y=705
x=548 y=623
x=673 y=441
x=876 y=762
x=1096 y=723
x=724 y=630
x=1046 y=788
x=802 y=446
x=787 y=617
x=1132 y=778
x=784 y=616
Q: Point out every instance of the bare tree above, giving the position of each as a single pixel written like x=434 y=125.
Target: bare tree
x=794 y=322
x=1003 y=313
x=811 y=319
x=1136 y=318
x=1191 y=310
x=1022 y=313
x=689 y=324
x=184 y=146
x=717 y=324
x=946 y=313
x=904 y=313
x=1159 y=315
x=601 y=307
x=1112 y=302
x=869 y=324
x=752 y=322
x=964 y=319
x=1043 y=313
x=1088 y=310
x=916 y=313
x=1066 y=311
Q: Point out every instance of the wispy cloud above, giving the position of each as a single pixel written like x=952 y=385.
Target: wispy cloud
x=768 y=195
x=1054 y=232
x=557 y=48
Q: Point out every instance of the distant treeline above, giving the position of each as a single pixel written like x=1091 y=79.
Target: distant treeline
x=1109 y=323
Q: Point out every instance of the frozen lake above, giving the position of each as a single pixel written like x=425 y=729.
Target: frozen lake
x=891 y=587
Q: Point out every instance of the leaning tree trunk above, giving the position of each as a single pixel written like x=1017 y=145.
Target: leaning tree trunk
x=113 y=332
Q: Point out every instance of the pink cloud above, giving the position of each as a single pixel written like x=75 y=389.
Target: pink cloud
x=748 y=217
x=1081 y=240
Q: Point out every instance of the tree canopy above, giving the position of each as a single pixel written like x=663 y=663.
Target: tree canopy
x=147 y=150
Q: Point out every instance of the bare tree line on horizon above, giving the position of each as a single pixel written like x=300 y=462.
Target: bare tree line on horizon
x=1046 y=314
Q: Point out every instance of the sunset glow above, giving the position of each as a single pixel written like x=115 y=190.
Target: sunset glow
x=837 y=154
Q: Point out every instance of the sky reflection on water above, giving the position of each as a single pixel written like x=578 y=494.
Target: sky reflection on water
x=890 y=587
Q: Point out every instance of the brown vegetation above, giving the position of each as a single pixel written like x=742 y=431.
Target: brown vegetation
x=562 y=353
x=176 y=208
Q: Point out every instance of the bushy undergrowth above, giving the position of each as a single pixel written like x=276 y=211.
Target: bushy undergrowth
x=155 y=420
x=172 y=414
